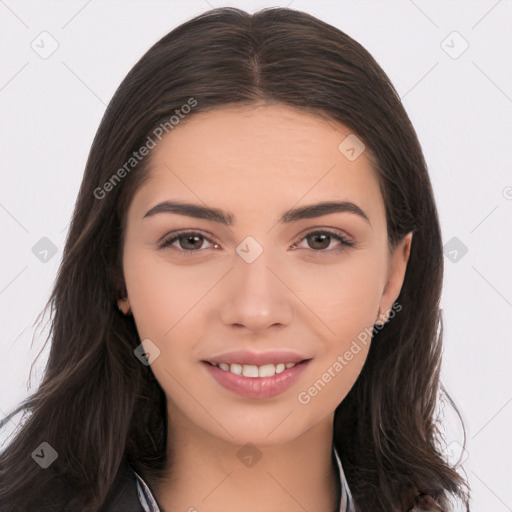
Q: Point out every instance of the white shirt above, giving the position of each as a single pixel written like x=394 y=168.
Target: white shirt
x=149 y=503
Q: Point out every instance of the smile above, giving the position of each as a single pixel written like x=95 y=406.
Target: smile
x=256 y=381
x=254 y=371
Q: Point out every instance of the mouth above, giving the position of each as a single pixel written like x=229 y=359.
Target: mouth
x=256 y=381
x=255 y=371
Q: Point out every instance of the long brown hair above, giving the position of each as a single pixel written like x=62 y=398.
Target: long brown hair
x=99 y=407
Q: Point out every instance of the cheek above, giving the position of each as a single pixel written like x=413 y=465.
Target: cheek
x=162 y=295
x=345 y=296
x=346 y=301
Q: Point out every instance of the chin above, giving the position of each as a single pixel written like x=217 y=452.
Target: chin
x=261 y=429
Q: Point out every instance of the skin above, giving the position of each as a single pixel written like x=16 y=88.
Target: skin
x=256 y=162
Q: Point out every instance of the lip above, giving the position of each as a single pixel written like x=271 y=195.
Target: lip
x=259 y=358
x=257 y=387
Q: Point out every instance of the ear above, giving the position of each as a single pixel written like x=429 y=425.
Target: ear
x=395 y=277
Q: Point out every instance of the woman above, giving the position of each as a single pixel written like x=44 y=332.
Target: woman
x=246 y=315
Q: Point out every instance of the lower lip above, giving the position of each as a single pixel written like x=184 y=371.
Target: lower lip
x=257 y=387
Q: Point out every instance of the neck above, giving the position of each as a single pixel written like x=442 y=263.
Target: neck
x=209 y=474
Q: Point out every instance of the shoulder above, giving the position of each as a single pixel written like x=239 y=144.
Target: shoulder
x=123 y=496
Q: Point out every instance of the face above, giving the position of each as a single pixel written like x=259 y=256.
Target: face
x=261 y=279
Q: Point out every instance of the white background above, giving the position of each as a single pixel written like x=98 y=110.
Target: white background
x=461 y=108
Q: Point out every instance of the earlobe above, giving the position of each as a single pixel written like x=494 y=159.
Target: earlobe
x=381 y=319
x=124 y=306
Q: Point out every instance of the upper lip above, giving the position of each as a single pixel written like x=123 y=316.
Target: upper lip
x=259 y=358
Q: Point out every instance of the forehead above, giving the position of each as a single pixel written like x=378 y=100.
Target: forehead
x=262 y=156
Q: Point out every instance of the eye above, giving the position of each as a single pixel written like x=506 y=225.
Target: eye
x=188 y=242
x=321 y=240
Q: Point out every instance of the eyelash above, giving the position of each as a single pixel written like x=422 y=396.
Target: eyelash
x=167 y=243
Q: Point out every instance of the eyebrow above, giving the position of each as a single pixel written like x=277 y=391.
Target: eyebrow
x=226 y=218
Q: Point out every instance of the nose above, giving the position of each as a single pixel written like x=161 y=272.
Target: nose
x=257 y=296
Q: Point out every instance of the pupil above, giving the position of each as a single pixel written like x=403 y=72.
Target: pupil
x=190 y=239
x=325 y=238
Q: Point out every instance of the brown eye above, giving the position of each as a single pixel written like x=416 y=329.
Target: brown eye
x=320 y=241
x=188 y=242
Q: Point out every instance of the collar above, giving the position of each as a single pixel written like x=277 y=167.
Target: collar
x=346 y=501
x=149 y=504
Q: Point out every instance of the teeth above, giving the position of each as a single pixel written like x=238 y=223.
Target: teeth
x=236 y=369
x=251 y=370
x=267 y=370
x=280 y=367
